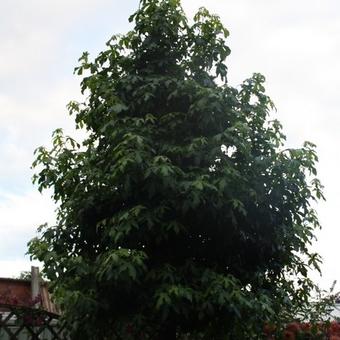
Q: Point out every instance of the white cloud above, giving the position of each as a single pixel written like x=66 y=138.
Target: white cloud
x=27 y=125
x=41 y=42
x=21 y=212
x=13 y=268
x=20 y=217
x=35 y=35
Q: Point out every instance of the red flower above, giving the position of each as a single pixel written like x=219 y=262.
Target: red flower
x=129 y=328
x=288 y=335
x=334 y=337
x=268 y=329
x=306 y=327
x=293 y=327
x=334 y=327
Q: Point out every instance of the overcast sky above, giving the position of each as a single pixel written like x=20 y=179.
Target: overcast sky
x=295 y=44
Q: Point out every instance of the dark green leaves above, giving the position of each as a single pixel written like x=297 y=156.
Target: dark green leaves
x=180 y=211
x=121 y=265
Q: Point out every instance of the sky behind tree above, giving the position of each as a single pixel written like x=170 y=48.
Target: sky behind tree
x=294 y=44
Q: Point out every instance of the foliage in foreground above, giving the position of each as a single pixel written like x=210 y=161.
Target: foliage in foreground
x=181 y=212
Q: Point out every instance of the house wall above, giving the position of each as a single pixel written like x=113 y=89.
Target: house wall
x=16 y=292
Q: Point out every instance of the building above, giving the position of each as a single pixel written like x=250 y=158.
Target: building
x=27 y=310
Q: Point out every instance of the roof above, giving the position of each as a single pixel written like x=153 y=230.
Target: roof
x=18 y=292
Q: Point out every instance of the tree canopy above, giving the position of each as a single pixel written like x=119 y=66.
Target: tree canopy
x=181 y=213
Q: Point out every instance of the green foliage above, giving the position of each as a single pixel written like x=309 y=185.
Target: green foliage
x=181 y=212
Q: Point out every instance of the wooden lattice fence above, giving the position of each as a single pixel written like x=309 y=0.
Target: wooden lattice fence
x=25 y=323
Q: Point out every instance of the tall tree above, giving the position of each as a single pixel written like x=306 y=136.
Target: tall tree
x=181 y=212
